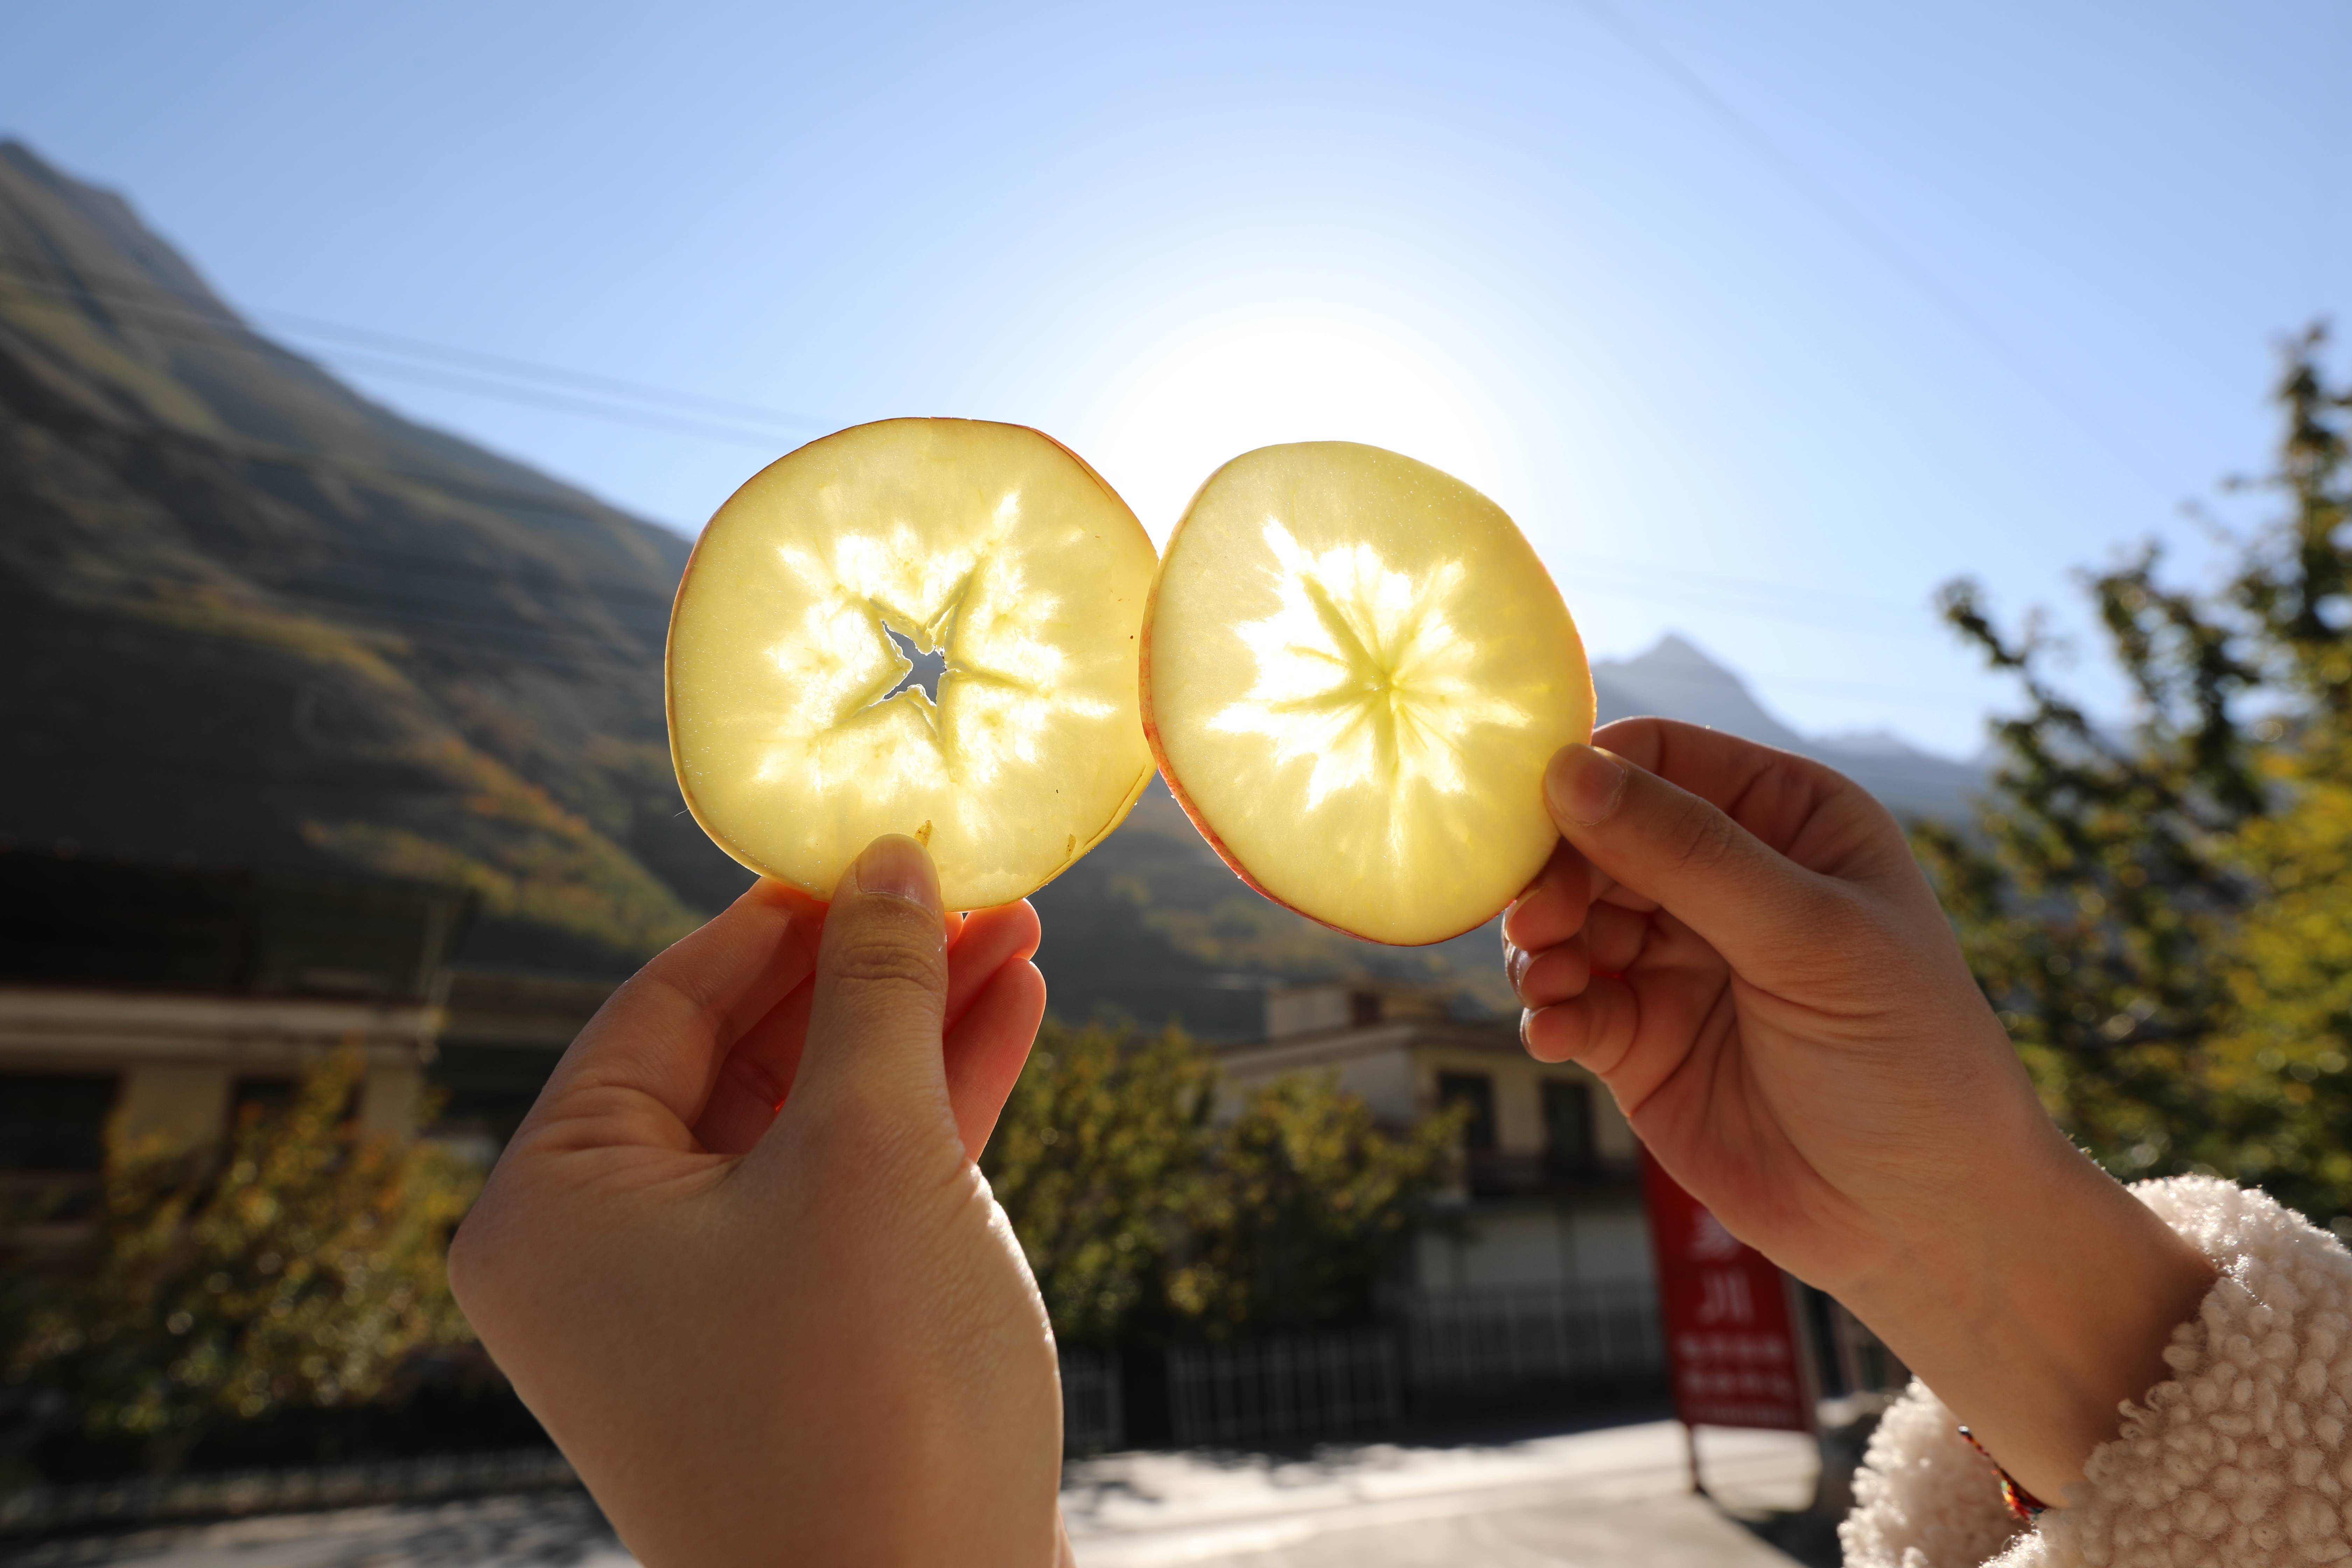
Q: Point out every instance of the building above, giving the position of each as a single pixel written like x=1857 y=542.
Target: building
x=1549 y=1192
x=1536 y=1269
x=501 y=1035
x=162 y=999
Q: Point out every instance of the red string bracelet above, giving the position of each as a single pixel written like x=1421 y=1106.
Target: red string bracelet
x=2024 y=1504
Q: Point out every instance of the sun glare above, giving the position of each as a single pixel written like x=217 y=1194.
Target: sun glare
x=1243 y=379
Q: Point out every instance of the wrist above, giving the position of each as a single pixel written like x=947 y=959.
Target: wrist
x=2045 y=1303
x=1963 y=1239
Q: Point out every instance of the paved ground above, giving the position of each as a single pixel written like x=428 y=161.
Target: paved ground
x=1568 y=1500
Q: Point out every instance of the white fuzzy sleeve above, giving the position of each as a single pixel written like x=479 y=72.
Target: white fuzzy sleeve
x=2240 y=1461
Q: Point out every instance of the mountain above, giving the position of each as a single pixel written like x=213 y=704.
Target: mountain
x=1677 y=680
x=250 y=617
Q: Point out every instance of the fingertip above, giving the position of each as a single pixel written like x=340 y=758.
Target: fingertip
x=988 y=1047
x=1013 y=927
x=1033 y=927
x=1553 y=909
x=1582 y=786
x=897 y=867
x=991 y=939
x=1549 y=1034
x=1593 y=1028
x=1553 y=975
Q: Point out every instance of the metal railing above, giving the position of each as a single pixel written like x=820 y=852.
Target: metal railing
x=148 y=1499
x=1314 y=1386
x=1093 y=1411
x=1490 y=1338
x=1300 y=1387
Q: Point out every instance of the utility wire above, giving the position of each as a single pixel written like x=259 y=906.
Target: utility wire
x=295 y=458
x=212 y=312
x=1748 y=597
x=236 y=338
x=175 y=324
x=1768 y=602
x=531 y=397
x=1892 y=256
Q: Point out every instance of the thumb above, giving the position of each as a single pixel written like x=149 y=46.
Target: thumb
x=880 y=994
x=1742 y=897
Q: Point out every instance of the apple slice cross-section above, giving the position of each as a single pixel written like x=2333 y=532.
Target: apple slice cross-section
x=1355 y=669
x=925 y=626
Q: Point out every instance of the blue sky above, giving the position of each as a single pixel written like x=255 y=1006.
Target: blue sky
x=1763 y=320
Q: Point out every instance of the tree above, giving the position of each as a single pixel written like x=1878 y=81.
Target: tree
x=1309 y=1206
x=1145 y=1217
x=1100 y=1161
x=2145 y=908
x=298 y=1268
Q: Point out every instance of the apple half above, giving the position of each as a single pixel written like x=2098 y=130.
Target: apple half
x=1355 y=669
x=925 y=626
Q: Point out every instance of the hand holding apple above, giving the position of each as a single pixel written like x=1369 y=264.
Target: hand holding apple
x=801 y=1335
x=1739 y=941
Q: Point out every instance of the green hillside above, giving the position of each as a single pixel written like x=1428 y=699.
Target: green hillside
x=250 y=616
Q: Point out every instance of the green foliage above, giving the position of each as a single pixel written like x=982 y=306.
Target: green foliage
x=1145 y=1214
x=2160 y=915
x=1101 y=1159
x=299 y=1266
x=1309 y=1206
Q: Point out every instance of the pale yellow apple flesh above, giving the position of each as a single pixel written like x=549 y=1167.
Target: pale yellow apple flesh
x=1355 y=669
x=797 y=725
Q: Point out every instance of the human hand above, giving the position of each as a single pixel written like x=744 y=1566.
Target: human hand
x=804 y=1335
x=1739 y=941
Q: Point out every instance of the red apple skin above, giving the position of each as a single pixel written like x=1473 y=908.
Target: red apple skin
x=669 y=635
x=1200 y=823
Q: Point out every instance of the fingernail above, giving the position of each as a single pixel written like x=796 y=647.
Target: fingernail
x=1583 y=784
x=899 y=867
x=1516 y=964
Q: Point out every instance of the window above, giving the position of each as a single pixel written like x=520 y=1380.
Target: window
x=55 y=1121
x=1476 y=1090
x=1568 y=1125
x=1363 y=1008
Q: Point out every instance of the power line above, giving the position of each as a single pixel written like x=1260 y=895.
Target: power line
x=246 y=342
x=1759 y=607
x=1745 y=596
x=1828 y=599
x=1892 y=256
x=212 y=312
x=1768 y=604
x=531 y=397
x=1750 y=677
x=165 y=323
x=295 y=457
x=581 y=669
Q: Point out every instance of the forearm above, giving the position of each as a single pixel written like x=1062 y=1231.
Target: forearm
x=2045 y=1303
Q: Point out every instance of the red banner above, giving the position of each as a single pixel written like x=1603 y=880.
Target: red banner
x=1730 y=1340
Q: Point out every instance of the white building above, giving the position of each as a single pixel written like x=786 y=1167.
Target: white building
x=1538 y=1265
